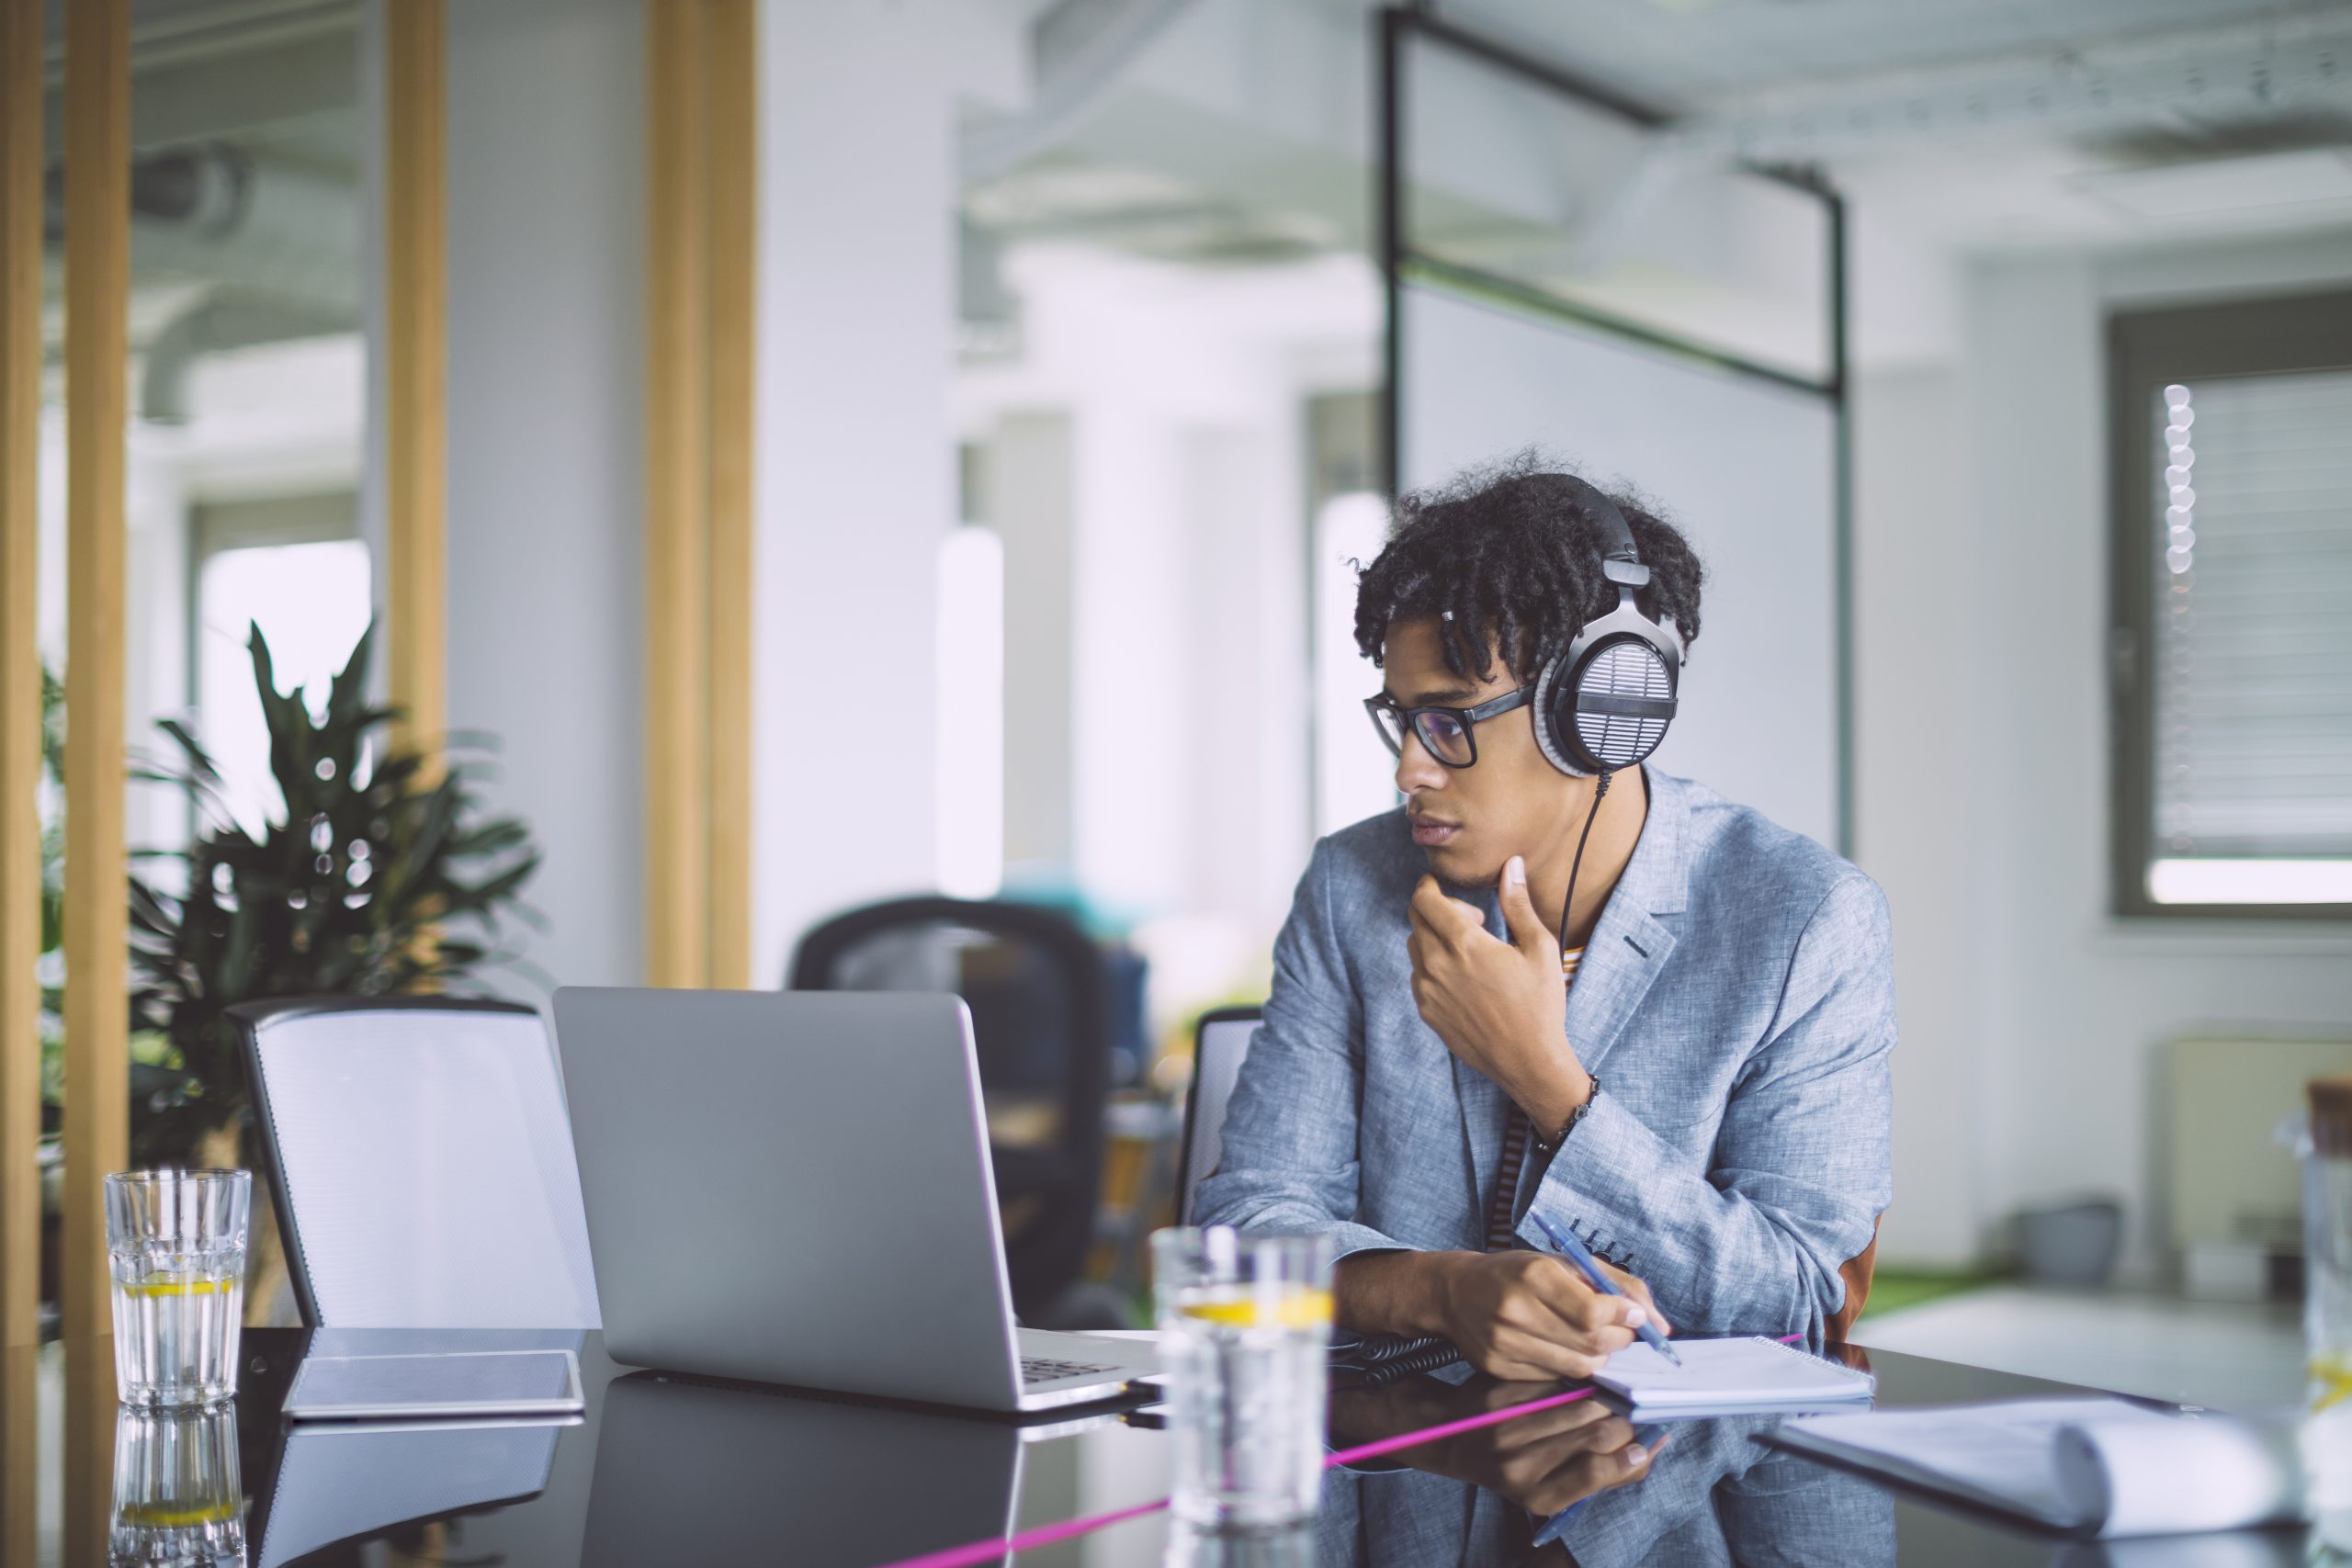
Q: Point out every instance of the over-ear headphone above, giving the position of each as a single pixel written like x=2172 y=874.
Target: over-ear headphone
x=1604 y=702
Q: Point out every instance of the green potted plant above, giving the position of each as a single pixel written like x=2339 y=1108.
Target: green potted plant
x=381 y=876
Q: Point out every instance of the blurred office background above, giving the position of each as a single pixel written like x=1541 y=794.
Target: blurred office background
x=1069 y=334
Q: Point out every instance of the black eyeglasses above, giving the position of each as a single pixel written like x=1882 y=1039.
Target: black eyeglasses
x=1445 y=733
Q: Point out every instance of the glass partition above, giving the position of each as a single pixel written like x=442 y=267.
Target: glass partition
x=1513 y=185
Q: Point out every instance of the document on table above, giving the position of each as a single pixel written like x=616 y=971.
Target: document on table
x=2105 y=1465
x=1729 y=1376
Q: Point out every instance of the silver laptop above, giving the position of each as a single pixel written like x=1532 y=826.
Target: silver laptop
x=793 y=1186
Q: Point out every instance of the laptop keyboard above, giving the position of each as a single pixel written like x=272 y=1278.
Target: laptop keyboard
x=1043 y=1369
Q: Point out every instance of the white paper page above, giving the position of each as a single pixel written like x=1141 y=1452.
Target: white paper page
x=2179 y=1474
x=1744 y=1372
x=2073 y=1464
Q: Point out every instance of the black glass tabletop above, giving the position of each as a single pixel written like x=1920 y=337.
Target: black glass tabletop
x=668 y=1469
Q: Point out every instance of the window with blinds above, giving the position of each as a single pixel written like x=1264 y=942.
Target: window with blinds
x=2234 y=601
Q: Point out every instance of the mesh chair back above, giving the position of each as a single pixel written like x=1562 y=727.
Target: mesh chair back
x=1217 y=1051
x=422 y=1163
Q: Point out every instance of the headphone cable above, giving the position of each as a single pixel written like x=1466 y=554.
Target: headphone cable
x=1568 y=905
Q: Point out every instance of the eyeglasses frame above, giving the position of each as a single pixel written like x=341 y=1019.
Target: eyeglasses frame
x=1468 y=718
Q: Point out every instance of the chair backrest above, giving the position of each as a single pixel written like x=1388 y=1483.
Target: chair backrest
x=422 y=1161
x=1217 y=1050
x=1037 y=990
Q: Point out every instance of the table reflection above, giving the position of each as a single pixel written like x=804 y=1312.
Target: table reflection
x=701 y=1471
x=1580 y=1482
x=688 y=1471
x=177 y=1496
x=347 y=1480
x=1199 y=1546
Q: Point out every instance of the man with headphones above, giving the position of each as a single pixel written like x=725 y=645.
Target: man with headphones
x=1560 y=985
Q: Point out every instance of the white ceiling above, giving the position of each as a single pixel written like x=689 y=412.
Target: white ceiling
x=1240 y=129
x=1989 y=124
x=1687 y=55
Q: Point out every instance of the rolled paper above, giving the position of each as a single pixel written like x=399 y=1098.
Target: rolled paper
x=2206 y=1471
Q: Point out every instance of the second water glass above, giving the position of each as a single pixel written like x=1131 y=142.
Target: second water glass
x=1245 y=1330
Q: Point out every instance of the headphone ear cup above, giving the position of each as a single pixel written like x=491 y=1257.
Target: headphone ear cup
x=1556 y=719
x=1623 y=666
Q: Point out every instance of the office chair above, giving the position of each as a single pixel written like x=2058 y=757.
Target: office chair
x=1217 y=1049
x=422 y=1162
x=1034 y=982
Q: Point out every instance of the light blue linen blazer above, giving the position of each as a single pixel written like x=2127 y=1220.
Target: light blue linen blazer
x=1735 y=1003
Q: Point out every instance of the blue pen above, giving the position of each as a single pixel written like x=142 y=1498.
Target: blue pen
x=1575 y=1252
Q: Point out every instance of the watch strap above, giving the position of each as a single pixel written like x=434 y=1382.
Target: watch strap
x=1552 y=1145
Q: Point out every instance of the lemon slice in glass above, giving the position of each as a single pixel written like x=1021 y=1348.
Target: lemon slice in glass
x=176 y=1285
x=1240 y=1308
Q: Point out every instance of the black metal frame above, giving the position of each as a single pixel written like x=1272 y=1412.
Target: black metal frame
x=2147 y=349
x=1185 y=1177
x=1410 y=718
x=1398 y=25
x=249 y=1019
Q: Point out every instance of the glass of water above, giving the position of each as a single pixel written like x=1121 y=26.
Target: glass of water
x=1245 y=1326
x=178 y=1497
x=176 y=1244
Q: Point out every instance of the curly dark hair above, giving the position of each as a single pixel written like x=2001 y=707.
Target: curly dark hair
x=1514 y=552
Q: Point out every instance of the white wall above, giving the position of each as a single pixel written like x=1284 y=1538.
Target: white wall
x=1168 y=507
x=855 y=458
x=546 y=302
x=2033 y=1021
x=1914 y=788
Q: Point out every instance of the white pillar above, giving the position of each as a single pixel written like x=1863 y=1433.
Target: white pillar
x=856 y=459
x=1029 y=504
x=545 y=306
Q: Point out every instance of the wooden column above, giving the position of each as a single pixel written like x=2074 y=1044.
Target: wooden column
x=416 y=329
x=97 y=292
x=677 y=534
x=91 y=1408
x=97 y=1057
x=733 y=100
x=20 y=358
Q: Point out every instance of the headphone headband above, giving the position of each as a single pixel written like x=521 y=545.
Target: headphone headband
x=1617 y=546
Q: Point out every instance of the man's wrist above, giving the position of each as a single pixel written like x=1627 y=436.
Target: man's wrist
x=1551 y=1108
x=1403 y=1292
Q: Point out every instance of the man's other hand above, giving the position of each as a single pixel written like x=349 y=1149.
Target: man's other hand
x=1528 y=1316
x=1500 y=1006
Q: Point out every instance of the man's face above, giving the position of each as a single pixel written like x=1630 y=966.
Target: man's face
x=1512 y=801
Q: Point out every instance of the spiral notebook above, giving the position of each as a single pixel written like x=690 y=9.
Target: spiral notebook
x=1730 y=1376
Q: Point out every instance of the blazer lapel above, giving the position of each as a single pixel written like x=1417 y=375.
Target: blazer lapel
x=1630 y=944
x=1628 y=947
x=1619 y=968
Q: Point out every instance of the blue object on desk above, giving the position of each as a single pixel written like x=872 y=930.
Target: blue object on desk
x=1575 y=1252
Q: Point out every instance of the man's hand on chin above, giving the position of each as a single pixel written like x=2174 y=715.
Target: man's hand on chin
x=1500 y=1006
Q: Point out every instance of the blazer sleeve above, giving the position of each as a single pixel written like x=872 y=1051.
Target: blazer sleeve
x=1802 y=1165
x=1290 y=1159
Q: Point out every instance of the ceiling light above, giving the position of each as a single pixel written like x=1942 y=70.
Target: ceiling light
x=2213 y=186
